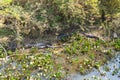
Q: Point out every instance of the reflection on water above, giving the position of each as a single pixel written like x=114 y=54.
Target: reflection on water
x=110 y=71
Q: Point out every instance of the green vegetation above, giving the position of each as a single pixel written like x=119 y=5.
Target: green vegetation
x=109 y=7
x=5 y=32
x=117 y=44
x=91 y=35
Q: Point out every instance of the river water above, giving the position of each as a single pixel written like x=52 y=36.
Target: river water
x=110 y=71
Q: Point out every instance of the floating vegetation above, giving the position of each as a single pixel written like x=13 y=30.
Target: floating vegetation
x=80 y=55
x=116 y=44
x=23 y=66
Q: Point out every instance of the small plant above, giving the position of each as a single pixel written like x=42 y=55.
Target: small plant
x=75 y=60
x=106 y=68
x=97 y=65
x=108 y=53
x=116 y=44
x=57 y=75
x=73 y=48
x=1 y=53
x=34 y=50
x=5 y=32
x=10 y=52
x=115 y=72
x=85 y=66
x=92 y=56
x=82 y=70
x=68 y=50
x=86 y=46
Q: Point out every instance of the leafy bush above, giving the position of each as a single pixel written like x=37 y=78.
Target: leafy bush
x=109 y=7
x=5 y=2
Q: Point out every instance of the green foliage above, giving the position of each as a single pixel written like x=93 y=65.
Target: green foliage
x=97 y=65
x=2 y=55
x=92 y=55
x=116 y=44
x=115 y=71
x=86 y=46
x=25 y=15
x=5 y=2
x=15 y=11
x=110 y=6
x=5 y=32
x=85 y=66
x=81 y=45
x=74 y=48
x=25 y=66
x=34 y=50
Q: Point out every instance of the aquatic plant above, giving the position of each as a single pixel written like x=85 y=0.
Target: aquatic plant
x=92 y=55
x=116 y=44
